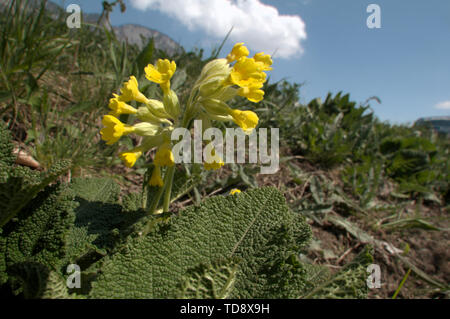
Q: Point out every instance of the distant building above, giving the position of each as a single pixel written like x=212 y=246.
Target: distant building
x=440 y=124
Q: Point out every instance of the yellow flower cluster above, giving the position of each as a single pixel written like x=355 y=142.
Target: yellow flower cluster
x=153 y=115
x=220 y=81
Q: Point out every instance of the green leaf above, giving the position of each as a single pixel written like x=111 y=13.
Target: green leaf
x=144 y=57
x=349 y=283
x=256 y=227
x=96 y=217
x=40 y=232
x=6 y=147
x=210 y=281
x=19 y=185
x=37 y=281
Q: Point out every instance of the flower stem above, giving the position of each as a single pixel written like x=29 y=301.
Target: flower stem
x=168 y=181
x=168 y=178
x=155 y=201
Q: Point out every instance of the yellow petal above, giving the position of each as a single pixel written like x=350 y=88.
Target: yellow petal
x=155 y=179
x=238 y=51
x=114 y=129
x=213 y=161
x=252 y=93
x=119 y=107
x=247 y=120
x=264 y=61
x=130 y=158
x=152 y=74
x=164 y=156
x=234 y=191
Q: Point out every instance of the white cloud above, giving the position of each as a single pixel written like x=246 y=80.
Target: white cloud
x=260 y=26
x=443 y=105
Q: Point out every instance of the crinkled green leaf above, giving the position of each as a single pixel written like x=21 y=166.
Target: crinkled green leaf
x=19 y=185
x=210 y=281
x=349 y=283
x=37 y=281
x=256 y=227
x=6 y=147
x=40 y=232
x=96 y=217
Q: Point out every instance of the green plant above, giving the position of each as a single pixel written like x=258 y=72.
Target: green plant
x=30 y=42
x=364 y=180
x=409 y=161
x=328 y=133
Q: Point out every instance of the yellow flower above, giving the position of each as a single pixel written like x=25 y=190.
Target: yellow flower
x=155 y=179
x=119 y=107
x=114 y=129
x=238 y=51
x=130 y=157
x=130 y=92
x=247 y=72
x=161 y=73
x=164 y=156
x=264 y=61
x=213 y=161
x=234 y=191
x=253 y=93
x=247 y=120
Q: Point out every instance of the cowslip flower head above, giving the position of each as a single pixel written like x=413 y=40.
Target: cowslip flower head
x=247 y=120
x=235 y=191
x=161 y=73
x=238 y=51
x=119 y=107
x=130 y=92
x=114 y=129
x=164 y=156
x=155 y=179
x=130 y=157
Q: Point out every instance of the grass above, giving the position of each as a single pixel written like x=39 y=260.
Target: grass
x=338 y=158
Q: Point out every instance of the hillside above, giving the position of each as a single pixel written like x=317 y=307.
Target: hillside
x=131 y=33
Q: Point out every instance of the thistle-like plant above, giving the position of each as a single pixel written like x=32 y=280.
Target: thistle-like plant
x=219 y=81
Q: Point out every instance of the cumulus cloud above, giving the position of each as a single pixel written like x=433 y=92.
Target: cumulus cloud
x=260 y=26
x=443 y=105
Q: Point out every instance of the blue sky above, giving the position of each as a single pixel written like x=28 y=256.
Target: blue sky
x=406 y=63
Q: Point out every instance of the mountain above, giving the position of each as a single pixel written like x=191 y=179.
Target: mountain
x=131 y=33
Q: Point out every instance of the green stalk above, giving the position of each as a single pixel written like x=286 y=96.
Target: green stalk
x=401 y=284
x=168 y=179
x=155 y=201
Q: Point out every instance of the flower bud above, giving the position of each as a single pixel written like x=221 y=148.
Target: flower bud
x=217 y=67
x=144 y=114
x=145 y=129
x=157 y=108
x=171 y=104
x=215 y=107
